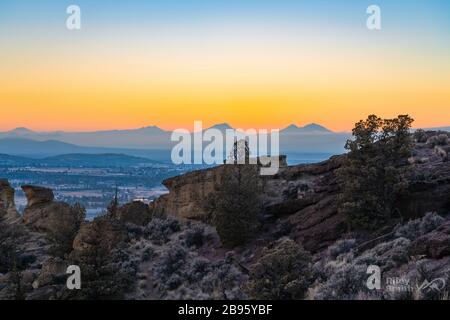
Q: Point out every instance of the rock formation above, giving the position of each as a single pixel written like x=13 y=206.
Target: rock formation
x=305 y=196
x=434 y=245
x=37 y=195
x=307 y=192
x=7 y=207
x=187 y=193
x=104 y=232
x=58 y=220
x=135 y=212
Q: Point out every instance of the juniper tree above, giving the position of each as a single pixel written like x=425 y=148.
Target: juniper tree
x=372 y=176
x=235 y=206
x=282 y=273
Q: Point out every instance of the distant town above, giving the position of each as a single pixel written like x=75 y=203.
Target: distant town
x=89 y=184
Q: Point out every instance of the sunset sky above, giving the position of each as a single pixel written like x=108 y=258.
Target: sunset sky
x=260 y=64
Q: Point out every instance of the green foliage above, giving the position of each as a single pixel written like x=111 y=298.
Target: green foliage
x=107 y=270
x=8 y=249
x=10 y=255
x=282 y=273
x=104 y=275
x=235 y=206
x=372 y=176
x=11 y=260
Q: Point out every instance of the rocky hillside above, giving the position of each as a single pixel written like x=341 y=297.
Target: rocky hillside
x=168 y=250
x=304 y=196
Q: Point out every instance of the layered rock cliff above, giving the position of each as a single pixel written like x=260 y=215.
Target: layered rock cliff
x=305 y=196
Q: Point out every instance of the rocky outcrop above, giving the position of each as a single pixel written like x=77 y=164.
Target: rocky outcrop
x=53 y=269
x=312 y=204
x=429 y=183
x=306 y=192
x=7 y=207
x=59 y=221
x=101 y=233
x=37 y=195
x=435 y=245
x=187 y=193
x=135 y=212
x=312 y=208
x=6 y=195
x=305 y=196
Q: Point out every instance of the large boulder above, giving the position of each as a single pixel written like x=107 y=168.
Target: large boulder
x=135 y=212
x=188 y=192
x=37 y=195
x=60 y=221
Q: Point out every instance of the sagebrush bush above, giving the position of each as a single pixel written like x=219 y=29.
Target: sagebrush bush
x=195 y=236
x=388 y=254
x=345 y=276
x=341 y=247
x=438 y=140
x=341 y=272
x=183 y=274
x=147 y=254
x=198 y=268
x=159 y=230
x=416 y=228
x=172 y=260
x=346 y=283
x=282 y=272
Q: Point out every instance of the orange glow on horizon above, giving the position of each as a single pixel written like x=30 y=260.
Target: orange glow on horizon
x=248 y=85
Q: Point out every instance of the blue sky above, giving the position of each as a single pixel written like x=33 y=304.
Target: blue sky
x=416 y=13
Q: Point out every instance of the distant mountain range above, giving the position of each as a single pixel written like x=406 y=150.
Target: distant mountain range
x=42 y=149
x=143 y=138
x=310 y=128
x=76 y=161
x=153 y=142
